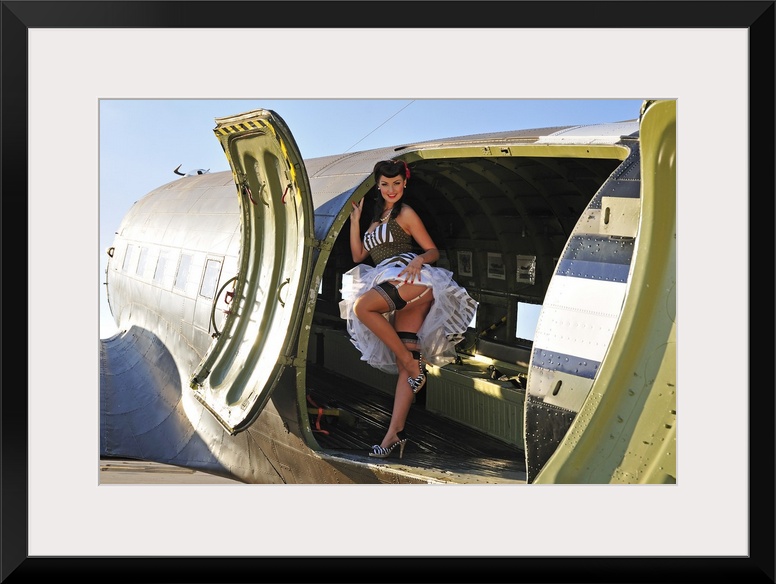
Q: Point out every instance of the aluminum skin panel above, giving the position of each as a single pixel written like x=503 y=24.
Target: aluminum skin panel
x=580 y=314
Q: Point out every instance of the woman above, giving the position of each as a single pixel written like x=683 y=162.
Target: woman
x=403 y=312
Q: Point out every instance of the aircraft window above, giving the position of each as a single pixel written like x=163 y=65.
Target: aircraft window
x=346 y=290
x=141 y=262
x=183 y=272
x=212 y=269
x=127 y=258
x=527 y=319
x=161 y=265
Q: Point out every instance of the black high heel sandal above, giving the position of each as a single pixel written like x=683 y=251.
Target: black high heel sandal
x=380 y=452
x=417 y=383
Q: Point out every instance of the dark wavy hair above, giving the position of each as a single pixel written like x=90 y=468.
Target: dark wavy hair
x=388 y=169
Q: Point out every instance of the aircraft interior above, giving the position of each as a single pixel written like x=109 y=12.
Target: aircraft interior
x=500 y=223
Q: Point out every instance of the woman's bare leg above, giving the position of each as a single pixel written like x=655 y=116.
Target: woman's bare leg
x=402 y=400
x=369 y=309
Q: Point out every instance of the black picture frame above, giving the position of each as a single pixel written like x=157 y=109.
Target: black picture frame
x=17 y=565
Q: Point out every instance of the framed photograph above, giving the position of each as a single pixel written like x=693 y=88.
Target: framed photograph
x=526 y=269
x=496 y=268
x=32 y=509
x=465 y=263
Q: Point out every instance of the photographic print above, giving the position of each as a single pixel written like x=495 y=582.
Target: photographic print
x=525 y=271
x=496 y=268
x=464 y=263
x=92 y=144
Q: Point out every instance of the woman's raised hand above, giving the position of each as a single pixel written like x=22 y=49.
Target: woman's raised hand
x=355 y=212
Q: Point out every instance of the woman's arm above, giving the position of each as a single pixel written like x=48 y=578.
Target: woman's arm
x=411 y=222
x=356 y=244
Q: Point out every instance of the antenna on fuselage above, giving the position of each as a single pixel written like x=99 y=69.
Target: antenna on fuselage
x=191 y=172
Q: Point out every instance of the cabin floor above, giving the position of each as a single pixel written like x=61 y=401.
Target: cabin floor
x=438 y=448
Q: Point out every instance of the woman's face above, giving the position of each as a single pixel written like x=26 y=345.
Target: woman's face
x=392 y=189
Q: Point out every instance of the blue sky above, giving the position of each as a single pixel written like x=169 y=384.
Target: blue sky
x=143 y=141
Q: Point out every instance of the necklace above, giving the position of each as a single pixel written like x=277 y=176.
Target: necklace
x=384 y=218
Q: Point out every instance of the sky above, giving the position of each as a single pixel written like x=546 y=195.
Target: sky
x=142 y=141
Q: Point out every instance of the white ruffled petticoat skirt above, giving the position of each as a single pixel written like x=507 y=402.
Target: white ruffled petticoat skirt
x=448 y=318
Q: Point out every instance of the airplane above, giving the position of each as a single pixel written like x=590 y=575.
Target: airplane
x=232 y=359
